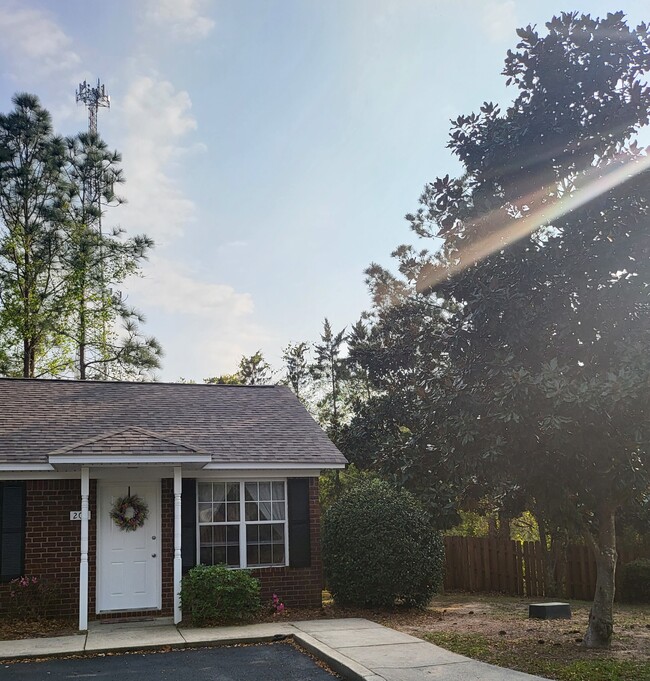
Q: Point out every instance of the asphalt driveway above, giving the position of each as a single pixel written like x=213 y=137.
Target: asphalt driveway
x=264 y=662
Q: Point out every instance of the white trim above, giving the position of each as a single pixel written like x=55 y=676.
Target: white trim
x=26 y=467
x=178 y=563
x=134 y=459
x=83 y=565
x=145 y=473
x=252 y=474
x=270 y=466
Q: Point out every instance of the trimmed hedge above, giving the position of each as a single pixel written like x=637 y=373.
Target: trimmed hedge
x=379 y=548
x=635 y=581
x=215 y=594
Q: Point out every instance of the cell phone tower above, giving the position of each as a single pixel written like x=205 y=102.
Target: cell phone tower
x=93 y=98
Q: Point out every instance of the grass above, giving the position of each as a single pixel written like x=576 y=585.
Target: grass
x=526 y=658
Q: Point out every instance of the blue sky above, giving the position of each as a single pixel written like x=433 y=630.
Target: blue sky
x=271 y=148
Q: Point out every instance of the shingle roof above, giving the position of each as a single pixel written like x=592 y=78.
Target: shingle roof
x=234 y=424
x=126 y=441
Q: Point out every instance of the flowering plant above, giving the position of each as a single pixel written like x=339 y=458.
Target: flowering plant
x=31 y=597
x=129 y=512
x=277 y=606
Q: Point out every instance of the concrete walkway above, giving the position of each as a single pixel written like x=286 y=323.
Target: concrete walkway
x=357 y=649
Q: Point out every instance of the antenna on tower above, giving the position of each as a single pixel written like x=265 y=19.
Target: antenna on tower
x=93 y=98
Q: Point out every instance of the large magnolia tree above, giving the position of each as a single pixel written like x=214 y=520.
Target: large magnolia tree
x=547 y=245
x=539 y=383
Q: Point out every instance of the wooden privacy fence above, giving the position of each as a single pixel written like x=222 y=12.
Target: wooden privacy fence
x=517 y=568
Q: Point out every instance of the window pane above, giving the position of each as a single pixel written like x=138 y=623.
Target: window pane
x=219 y=555
x=251 y=491
x=233 y=491
x=206 y=555
x=251 y=511
x=205 y=513
x=265 y=510
x=205 y=535
x=233 y=534
x=218 y=491
x=252 y=555
x=278 y=491
x=219 y=512
x=205 y=491
x=265 y=554
x=278 y=554
x=265 y=491
x=277 y=533
x=252 y=534
x=233 y=556
x=233 y=512
x=278 y=510
x=265 y=533
x=218 y=534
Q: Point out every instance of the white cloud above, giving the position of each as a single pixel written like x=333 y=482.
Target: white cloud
x=34 y=43
x=172 y=288
x=184 y=19
x=205 y=327
x=500 y=19
x=156 y=118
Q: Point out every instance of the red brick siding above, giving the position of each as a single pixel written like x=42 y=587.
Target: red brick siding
x=52 y=549
x=298 y=587
x=52 y=540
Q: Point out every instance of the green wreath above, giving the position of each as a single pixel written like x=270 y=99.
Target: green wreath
x=129 y=521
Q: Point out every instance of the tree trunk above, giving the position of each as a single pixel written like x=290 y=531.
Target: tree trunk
x=26 y=358
x=601 y=617
x=547 y=558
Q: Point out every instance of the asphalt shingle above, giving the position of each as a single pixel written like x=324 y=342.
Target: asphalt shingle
x=234 y=424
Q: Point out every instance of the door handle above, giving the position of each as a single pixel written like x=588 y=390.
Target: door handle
x=153 y=555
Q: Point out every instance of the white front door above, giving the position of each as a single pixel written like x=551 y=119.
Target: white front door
x=128 y=562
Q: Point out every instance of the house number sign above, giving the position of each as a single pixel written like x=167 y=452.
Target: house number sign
x=76 y=515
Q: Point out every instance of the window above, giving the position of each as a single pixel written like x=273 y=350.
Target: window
x=242 y=524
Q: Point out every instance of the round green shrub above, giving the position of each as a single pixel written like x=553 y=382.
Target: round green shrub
x=215 y=594
x=635 y=581
x=379 y=548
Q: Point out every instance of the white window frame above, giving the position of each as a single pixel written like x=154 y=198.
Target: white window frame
x=243 y=523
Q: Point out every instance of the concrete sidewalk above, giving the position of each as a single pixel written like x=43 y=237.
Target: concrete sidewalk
x=355 y=648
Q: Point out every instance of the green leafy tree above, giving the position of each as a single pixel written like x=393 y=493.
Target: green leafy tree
x=329 y=370
x=252 y=370
x=296 y=363
x=398 y=353
x=546 y=257
x=104 y=331
x=32 y=293
x=255 y=370
x=224 y=379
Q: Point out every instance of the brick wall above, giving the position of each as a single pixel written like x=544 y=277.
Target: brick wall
x=298 y=587
x=52 y=549
x=52 y=540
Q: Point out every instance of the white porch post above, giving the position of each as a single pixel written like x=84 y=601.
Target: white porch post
x=178 y=565
x=83 y=566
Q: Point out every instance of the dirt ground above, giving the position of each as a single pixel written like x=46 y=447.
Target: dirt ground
x=505 y=619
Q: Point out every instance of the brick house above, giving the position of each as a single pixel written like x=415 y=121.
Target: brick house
x=228 y=474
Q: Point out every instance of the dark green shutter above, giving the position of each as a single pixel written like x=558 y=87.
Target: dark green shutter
x=188 y=524
x=12 y=524
x=299 y=539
